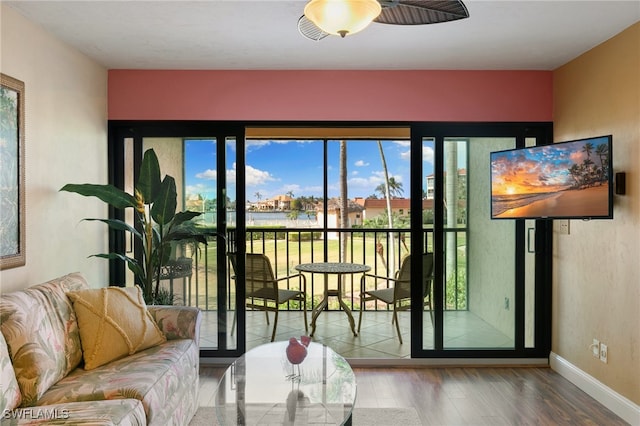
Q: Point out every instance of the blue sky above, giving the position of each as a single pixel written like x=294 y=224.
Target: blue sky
x=277 y=167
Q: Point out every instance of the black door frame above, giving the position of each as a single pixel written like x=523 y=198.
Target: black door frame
x=543 y=133
x=118 y=130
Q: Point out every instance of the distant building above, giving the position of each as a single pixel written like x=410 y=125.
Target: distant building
x=400 y=206
x=462 y=180
x=194 y=203
x=334 y=205
x=279 y=202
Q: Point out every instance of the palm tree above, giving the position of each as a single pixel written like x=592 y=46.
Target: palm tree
x=588 y=147
x=258 y=196
x=344 y=201
x=589 y=167
x=602 y=151
x=574 y=171
x=387 y=195
x=293 y=215
x=395 y=187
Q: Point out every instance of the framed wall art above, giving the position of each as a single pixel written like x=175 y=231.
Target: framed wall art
x=12 y=181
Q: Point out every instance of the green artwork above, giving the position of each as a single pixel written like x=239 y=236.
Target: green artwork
x=9 y=207
x=11 y=173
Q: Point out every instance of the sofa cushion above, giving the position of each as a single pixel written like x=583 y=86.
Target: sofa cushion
x=164 y=378
x=40 y=328
x=177 y=322
x=114 y=322
x=9 y=391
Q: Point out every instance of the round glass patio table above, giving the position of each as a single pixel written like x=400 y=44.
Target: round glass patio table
x=337 y=268
x=264 y=387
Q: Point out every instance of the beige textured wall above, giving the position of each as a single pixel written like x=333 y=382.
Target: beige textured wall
x=490 y=243
x=170 y=157
x=66 y=133
x=596 y=280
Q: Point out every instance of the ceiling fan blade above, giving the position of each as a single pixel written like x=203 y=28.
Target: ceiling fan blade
x=310 y=30
x=419 y=12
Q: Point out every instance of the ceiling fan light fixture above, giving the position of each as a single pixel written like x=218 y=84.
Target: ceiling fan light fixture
x=342 y=17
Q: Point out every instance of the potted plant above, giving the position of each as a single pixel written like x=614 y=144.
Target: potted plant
x=154 y=203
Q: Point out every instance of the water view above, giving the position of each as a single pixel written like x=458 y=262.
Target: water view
x=264 y=219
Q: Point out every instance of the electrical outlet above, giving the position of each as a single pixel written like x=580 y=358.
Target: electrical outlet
x=564 y=227
x=603 y=352
x=595 y=348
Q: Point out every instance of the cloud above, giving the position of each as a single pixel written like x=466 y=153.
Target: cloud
x=295 y=188
x=253 y=144
x=211 y=174
x=255 y=177
x=313 y=189
x=428 y=154
x=231 y=175
x=208 y=174
x=200 y=188
x=364 y=183
x=360 y=163
x=369 y=183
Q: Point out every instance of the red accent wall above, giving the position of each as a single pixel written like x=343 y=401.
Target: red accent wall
x=331 y=95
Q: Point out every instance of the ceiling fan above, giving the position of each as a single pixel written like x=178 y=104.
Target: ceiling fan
x=345 y=17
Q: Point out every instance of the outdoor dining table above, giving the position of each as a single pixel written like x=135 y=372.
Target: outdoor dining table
x=336 y=268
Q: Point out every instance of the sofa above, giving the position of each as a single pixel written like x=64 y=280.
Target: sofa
x=44 y=357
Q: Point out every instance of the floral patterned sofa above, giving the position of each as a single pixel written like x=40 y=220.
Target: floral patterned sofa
x=43 y=379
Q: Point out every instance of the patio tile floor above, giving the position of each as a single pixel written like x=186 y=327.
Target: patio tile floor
x=377 y=337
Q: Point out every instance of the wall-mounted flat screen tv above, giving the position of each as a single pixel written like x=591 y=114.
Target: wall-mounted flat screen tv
x=566 y=180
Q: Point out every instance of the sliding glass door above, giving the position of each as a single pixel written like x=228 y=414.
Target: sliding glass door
x=486 y=295
x=202 y=160
x=488 y=274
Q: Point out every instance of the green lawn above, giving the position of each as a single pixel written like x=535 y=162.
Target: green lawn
x=286 y=254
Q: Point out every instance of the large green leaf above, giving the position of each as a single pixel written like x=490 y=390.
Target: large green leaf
x=186 y=216
x=166 y=255
x=164 y=207
x=107 y=193
x=132 y=263
x=118 y=225
x=112 y=256
x=149 y=181
x=183 y=235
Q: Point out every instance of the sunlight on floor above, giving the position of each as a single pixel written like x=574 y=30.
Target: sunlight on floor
x=377 y=338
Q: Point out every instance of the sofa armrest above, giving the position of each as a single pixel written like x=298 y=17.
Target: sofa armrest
x=177 y=322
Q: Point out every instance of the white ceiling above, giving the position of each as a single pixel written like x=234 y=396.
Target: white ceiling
x=243 y=34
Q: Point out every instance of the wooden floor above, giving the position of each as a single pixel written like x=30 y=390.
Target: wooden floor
x=468 y=396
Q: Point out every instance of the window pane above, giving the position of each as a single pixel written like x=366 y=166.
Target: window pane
x=284 y=182
x=479 y=252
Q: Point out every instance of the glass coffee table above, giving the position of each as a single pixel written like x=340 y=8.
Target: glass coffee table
x=264 y=387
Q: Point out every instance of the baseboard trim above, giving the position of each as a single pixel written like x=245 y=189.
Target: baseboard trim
x=621 y=406
x=418 y=362
x=448 y=362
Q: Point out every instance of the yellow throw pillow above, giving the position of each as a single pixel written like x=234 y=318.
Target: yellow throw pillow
x=114 y=323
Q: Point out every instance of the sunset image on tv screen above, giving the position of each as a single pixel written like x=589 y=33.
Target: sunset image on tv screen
x=569 y=179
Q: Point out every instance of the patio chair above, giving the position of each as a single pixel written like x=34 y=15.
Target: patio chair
x=398 y=291
x=262 y=291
